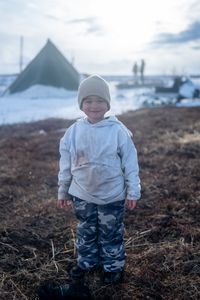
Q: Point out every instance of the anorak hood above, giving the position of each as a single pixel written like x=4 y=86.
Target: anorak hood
x=108 y=121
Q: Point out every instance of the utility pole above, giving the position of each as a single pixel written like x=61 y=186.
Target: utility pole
x=21 y=54
x=72 y=58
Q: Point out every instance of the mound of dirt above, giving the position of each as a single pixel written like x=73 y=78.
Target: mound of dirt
x=162 y=235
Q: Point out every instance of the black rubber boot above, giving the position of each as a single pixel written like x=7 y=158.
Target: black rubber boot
x=77 y=273
x=112 y=277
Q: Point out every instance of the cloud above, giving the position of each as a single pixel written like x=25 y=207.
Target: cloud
x=51 y=17
x=196 y=47
x=91 y=24
x=192 y=33
x=194 y=7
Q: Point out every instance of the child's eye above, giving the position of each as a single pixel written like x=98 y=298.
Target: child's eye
x=100 y=101
x=88 y=101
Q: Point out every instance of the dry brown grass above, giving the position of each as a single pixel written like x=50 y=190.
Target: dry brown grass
x=162 y=235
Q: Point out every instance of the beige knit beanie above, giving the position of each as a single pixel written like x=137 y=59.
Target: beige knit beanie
x=94 y=85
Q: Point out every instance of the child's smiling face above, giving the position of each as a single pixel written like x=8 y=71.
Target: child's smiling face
x=95 y=108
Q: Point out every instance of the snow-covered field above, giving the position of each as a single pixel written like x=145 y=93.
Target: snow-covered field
x=59 y=103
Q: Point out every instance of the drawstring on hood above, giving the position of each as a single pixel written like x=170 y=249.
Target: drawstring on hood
x=109 y=121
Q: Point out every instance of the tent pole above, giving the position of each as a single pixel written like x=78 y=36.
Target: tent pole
x=21 y=54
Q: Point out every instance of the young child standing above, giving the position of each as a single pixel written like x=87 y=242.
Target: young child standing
x=99 y=175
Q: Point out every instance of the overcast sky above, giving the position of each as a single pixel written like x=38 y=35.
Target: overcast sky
x=104 y=36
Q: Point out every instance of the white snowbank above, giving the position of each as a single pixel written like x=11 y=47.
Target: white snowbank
x=41 y=102
x=42 y=91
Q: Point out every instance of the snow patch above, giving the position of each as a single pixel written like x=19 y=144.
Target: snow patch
x=42 y=102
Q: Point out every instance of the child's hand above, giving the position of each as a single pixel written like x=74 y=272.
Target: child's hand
x=63 y=203
x=131 y=204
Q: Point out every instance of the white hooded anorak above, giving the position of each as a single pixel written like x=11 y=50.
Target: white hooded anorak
x=98 y=162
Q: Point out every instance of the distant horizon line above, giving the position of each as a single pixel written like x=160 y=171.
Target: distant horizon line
x=121 y=75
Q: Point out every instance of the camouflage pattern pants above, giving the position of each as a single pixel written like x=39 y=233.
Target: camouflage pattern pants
x=99 y=237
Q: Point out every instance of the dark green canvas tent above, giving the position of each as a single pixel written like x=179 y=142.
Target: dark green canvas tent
x=49 y=68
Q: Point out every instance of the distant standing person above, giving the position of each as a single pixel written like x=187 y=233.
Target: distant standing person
x=135 y=71
x=142 y=67
x=99 y=176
